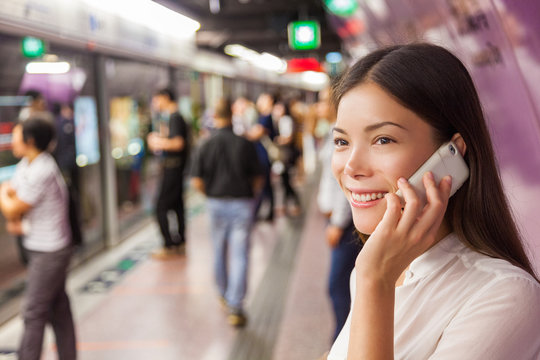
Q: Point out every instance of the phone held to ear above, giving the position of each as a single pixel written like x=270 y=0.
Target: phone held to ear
x=445 y=161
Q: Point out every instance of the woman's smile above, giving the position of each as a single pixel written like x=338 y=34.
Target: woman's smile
x=365 y=198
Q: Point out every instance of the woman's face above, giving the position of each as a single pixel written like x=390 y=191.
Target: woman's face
x=18 y=145
x=377 y=141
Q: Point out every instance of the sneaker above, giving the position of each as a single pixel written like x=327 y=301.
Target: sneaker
x=236 y=318
x=164 y=254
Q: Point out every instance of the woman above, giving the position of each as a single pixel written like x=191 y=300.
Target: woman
x=449 y=280
x=37 y=193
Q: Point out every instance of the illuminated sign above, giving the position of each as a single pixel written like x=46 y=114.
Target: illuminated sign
x=304 y=35
x=303 y=64
x=334 y=57
x=32 y=47
x=86 y=131
x=343 y=8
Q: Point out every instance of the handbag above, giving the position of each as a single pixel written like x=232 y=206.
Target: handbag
x=273 y=150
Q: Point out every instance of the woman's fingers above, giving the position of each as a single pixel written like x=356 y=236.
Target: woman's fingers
x=413 y=205
x=437 y=202
x=392 y=214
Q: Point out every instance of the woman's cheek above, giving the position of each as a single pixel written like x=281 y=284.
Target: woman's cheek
x=338 y=164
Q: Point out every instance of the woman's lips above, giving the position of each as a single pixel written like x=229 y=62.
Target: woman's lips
x=366 y=198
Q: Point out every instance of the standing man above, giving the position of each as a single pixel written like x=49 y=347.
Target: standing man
x=170 y=140
x=264 y=133
x=227 y=170
x=38 y=194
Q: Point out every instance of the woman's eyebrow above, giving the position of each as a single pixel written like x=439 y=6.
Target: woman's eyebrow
x=339 y=130
x=381 y=124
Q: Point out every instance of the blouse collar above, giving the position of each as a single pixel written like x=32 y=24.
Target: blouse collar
x=435 y=258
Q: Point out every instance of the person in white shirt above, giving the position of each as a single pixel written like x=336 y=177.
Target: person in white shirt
x=444 y=280
x=38 y=193
x=340 y=233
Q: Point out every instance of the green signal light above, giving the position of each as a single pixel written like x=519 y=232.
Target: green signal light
x=32 y=47
x=304 y=35
x=344 y=8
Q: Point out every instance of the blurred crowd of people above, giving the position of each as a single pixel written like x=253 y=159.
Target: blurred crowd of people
x=249 y=153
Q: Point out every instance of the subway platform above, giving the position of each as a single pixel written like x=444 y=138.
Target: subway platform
x=128 y=305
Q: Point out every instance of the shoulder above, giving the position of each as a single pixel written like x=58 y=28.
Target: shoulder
x=43 y=166
x=247 y=145
x=502 y=280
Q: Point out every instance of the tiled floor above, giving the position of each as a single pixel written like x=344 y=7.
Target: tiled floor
x=169 y=309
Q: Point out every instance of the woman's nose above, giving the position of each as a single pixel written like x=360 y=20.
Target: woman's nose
x=357 y=164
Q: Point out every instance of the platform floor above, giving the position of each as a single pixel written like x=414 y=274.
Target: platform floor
x=130 y=306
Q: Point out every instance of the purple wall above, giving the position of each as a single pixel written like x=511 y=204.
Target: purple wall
x=499 y=41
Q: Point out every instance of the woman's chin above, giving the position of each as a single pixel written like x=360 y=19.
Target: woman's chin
x=364 y=226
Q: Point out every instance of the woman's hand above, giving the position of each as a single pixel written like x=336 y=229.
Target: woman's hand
x=403 y=235
x=399 y=238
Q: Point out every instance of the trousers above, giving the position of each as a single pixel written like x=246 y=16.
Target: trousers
x=45 y=302
x=231 y=221
x=342 y=262
x=171 y=198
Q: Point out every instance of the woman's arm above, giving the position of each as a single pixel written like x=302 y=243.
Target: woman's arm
x=372 y=321
x=398 y=239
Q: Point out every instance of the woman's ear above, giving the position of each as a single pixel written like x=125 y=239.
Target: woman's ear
x=460 y=143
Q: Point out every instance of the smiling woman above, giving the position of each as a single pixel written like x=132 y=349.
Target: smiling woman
x=432 y=281
x=374 y=148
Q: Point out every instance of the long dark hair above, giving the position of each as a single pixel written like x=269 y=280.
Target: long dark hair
x=434 y=84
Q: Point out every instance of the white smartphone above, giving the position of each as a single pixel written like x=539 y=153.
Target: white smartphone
x=445 y=161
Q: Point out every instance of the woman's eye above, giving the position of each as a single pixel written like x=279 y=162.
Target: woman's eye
x=340 y=142
x=383 y=141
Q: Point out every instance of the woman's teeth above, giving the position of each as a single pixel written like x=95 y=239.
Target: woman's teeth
x=367 y=197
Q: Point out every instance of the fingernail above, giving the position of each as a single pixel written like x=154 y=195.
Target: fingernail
x=402 y=180
x=448 y=179
x=430 y=175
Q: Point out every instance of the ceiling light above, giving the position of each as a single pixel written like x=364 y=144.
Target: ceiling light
x=272 y=62
x=315 y=78
x=41 y=67
x=264 y=61
x=150 y=14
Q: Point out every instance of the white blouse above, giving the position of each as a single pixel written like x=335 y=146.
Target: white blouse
x=456 y=303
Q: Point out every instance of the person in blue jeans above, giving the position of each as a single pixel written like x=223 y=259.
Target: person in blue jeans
x=227 y=170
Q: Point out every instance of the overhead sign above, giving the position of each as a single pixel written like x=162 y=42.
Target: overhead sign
x=304 y=35
x=303 y=64
x=32 y=47
x=343 y=8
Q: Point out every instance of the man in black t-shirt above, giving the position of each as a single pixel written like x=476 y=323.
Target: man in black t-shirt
x=227 y=170
x=169 y=139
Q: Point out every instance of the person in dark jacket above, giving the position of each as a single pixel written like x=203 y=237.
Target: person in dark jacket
x=227 y=170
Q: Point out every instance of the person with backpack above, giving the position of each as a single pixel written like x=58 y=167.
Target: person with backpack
x=35 y=204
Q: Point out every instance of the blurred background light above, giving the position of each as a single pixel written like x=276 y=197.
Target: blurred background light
x=44 y=67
